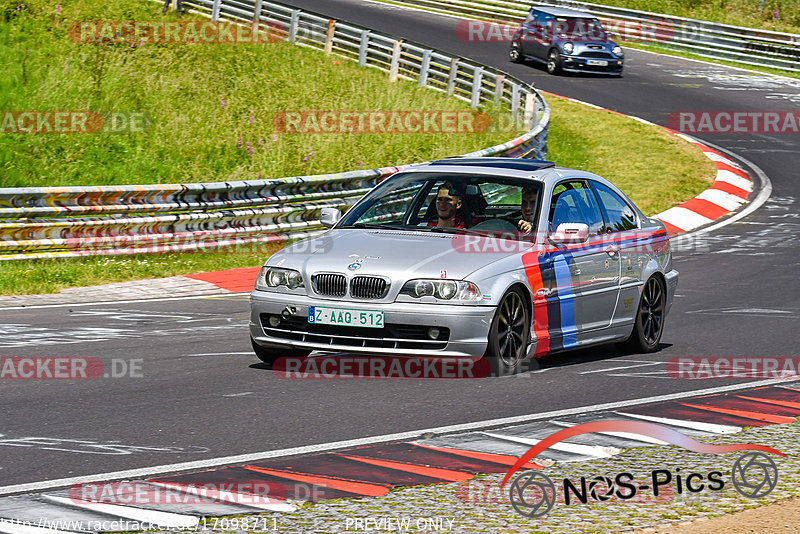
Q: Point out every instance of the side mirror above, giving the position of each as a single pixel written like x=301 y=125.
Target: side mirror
x=568 y=233
x=329 y=216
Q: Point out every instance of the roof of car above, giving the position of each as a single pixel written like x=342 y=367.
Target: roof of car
x=539 y=170
x=561 y=12
x=502 y=163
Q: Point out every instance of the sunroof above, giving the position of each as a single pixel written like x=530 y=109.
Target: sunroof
x=505 y=163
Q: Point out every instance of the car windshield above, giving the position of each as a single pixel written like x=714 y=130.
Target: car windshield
x=449 y=203
x=577 y=29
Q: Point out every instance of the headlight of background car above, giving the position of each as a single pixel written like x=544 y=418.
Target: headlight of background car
x=617 y=50
x=450 y=290
x=568 y=48
x=271 y=277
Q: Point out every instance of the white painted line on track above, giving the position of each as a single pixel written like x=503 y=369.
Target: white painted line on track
x=399 y=436
x=131 y=301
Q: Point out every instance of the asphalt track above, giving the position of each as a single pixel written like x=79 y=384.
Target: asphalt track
x=201 y=393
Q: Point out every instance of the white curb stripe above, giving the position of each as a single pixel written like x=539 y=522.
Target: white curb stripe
x=722 y=199
x=162 y=519
x=695 y=425
x=683 y=218
x=595 y=451
x=734 y=179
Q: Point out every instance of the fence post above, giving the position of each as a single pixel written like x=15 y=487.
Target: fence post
x=363 y=47
x=215 y=11
x=477 y=80
x=530 y=106
x=293 y=23
x=514 y=103
x=423 y=69
x=500 y=81
x=329 y=36
x=394 y=67
x=257 y=19
x=451 y=79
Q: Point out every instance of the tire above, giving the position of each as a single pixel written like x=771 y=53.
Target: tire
x=515 y=53
x=554 y=62
x=508 y=335
x=269 y=355
x=649 y=321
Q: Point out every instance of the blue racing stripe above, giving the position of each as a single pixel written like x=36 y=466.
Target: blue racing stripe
x=566 y=301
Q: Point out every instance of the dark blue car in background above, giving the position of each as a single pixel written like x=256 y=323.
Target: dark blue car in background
x=566 y=40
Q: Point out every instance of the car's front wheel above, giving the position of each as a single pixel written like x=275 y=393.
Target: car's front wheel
x=269 y=355
x=554 y=62
x=508 y=335
x=515 y=53
x=649 y=321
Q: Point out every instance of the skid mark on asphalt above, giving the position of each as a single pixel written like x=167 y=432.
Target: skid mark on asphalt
x=81 y=446
x=376 y=469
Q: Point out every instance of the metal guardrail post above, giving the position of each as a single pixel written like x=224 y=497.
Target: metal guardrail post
x=514 y=102
x=215 y=11
x=329 y=36
x=394 y=67
x=530 y=106
x=423 y=69
x=500 y=81
x=257 y=17
x=294 y=22
x=363 y=47
x=477 y=81
x=451 y=79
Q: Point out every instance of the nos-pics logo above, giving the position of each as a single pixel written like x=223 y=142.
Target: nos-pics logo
x=533 y=494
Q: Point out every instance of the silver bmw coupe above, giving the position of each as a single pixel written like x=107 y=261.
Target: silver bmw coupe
x=503 y=258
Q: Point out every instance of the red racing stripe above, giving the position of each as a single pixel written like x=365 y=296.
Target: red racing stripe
x=541 y=323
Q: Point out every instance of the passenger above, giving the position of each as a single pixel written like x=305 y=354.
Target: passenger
x=448 y=202
x=528 y=206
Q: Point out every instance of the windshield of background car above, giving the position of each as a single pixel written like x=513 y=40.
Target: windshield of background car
x=451 y=203
x=577 y=30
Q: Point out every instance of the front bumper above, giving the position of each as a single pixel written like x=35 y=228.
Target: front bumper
x=579 y=64
x=467 y=327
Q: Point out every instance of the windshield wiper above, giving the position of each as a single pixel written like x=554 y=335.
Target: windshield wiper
x=372 y=226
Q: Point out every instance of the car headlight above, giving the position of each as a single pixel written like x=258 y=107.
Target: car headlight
x=451 y=290
x=617 y=50
x=272 y=277
x=568 y=48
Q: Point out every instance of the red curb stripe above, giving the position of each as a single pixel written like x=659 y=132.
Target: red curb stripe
x=769 y=418
x=445 y=475
x=727 y=187
x=705 y=208
x=361 y=488
x=786 y=404
x=671 y=228
x=236 y=280
x=726 y=167
x=485 y=456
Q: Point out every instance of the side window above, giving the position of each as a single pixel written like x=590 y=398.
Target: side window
x=618 y=214
x=574 y=202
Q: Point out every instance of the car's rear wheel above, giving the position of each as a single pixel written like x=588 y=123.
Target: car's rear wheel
x=515 y=53
x=508 y=334
x=553 y=62
x=269 y=355
x=649 y=322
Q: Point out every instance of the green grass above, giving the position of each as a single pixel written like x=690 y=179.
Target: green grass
x=198 y=138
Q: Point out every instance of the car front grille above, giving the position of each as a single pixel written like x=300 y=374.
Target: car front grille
x=603 y=55
x=333 y=285
x=368 y=287
x=392 y=336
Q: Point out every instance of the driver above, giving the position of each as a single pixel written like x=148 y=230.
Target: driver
x=528 y=206
x=448 y=202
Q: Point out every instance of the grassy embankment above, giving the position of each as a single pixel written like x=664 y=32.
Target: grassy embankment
x=194 y=137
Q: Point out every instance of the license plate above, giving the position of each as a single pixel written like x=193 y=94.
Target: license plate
x=345 y=317
x=598 y=62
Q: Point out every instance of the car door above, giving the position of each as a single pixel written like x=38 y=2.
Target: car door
x=581 y=280
x=534 y=34
x=622 y=232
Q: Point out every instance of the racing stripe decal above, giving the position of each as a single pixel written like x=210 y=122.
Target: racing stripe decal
x=530 y=263
x=566 y=302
